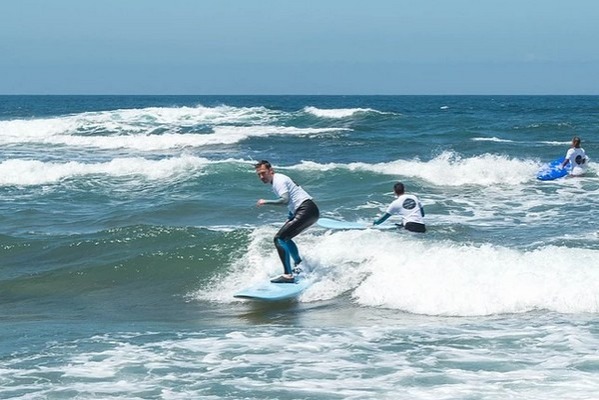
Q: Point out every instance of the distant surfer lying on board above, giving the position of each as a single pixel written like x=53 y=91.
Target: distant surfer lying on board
x=577 y=158
x=408 y=207
x=303 y=212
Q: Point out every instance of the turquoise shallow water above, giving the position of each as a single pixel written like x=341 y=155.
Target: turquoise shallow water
x=128 y=223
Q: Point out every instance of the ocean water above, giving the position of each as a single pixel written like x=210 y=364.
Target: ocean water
x=128 y=223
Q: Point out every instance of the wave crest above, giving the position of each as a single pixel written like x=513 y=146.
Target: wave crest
x=338 y=113
x=17 y=172
x=447 y=169
x=441 y=278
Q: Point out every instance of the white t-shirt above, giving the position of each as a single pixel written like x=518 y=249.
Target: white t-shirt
x=409 y=207
x=578 y=160
x=282 y=184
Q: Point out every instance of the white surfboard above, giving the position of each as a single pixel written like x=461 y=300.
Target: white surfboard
x=268 y=291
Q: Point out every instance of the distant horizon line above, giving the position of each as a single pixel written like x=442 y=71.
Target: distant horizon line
x=291 y=94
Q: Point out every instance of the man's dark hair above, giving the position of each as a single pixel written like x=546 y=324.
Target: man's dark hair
x=261 y=163
x=399 y=188
x=576 y=141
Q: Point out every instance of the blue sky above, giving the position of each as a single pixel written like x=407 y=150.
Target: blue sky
x=299 y=47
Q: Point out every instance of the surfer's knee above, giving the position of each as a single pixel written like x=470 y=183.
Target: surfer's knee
x=280 y=242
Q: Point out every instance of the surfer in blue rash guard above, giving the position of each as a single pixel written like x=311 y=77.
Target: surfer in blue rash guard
x=409 y=207
x=303 y=213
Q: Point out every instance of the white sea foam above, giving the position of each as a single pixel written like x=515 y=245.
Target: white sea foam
x=339 y=112
x=422 y=361
x=189 y=116
x=33 y=172
x=405 y=272
x=556 y=143
x=137 y=120
x=447 y=169
x=153 y=128
x=492 y=139
x=148 y=142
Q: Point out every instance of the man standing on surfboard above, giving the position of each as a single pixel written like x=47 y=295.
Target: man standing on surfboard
x=303 y=212
x=577 y=158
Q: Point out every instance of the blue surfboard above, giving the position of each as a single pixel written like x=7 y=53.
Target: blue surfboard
x=268 y=291
x=330 y=223
x=553 y=170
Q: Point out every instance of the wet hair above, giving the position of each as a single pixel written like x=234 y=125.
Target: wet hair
x=261 y=163
x=576 y=141
x=399 y=188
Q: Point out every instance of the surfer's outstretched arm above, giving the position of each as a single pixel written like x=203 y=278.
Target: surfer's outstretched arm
x=381 y=219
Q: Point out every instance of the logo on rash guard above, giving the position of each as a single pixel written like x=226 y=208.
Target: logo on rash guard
x=409 y=204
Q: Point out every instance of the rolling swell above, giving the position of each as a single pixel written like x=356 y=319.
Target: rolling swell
x=141 y=264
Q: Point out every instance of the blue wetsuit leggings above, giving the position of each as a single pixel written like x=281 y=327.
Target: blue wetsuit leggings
x=305 y=215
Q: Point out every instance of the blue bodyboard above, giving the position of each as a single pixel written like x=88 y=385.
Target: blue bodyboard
x=553 y=170
x=268 y=291
x=336 y=224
